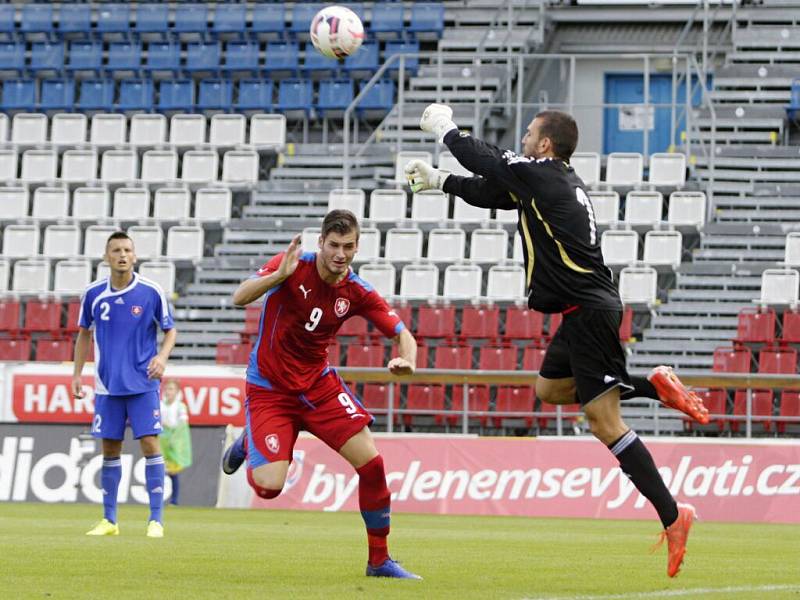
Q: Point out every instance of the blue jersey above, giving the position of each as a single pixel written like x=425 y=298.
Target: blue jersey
x=125 y=333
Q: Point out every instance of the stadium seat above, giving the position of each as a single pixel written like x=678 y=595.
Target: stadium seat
x=119 y=166
x=478 y=399
x=268 y=20
x=8 y=170
x=445 y=245
x=626 y=325
x=254 y=94
x=215 y=94
x=369 y=245
x=498 y=358
x=364 y=62
x=403 y=244
x=790 y=407
x=467 y=213
x=606 y=207
x=523 y=323
x=148 y=130
x=242 y=57
x=95 y=238
x=54 y=349
x=663 y=249
x=779 y=287
x=555 y=323
x=135 y=94
x=387 y=206
x=624 y=168
x=687 y=209
x=480 y=322
x=488 y=245
x=387 y=20
x=354 y=326
x=85 y=56
x=31 y=277
x=199 y=166
x=643 y=209
x=108 y=130
x=191 y=19
x=57 y=94
x=28 y=128
x=533 y=357
x=762 y=409
x=334 y=96
x=227 y=130
x=185 y=243
x=381 y=276
x=423 y=402
x=42 y=315
x=410 y=50
x=113 y=18
x=229 y=18
x=403 y=158
x=430 y=206
x=10 y=311
x=302 y=14
x=14 y=201
x=365 y=355
x=147 y=240
x=50 y=204
x=176 y=95
x=163 y=273
x=172 y=204
x=159 y=166
x=638 y=285
x=462 y=282
x=163 y=57
x=233 y=352
x=152 y=19
x=19 y=94
x=213 y=204
x=68 y=129
x=20 y=241
x=187 y=130
x=131 y=204
x=667 y=169
x=240 y=167
x=427 y=20
x=295 y=95
x=756 y=326
x=514 y=399
x=352 y=200
x=76 y=20
x=450 y=163
x=317 y=66
x=436 y=322
x=123 y=57
x=587 y=167
x=90 y=204
x=15 y=348
x=732 y=359
x=309 y=239
x=47 y=57
x=38 y=166
x=5 y=271
x=282 y=59
x=506 y=283
x=378 y=100
x=37 y=18
x=72 y=276
x=252 y=317
x=268 y=131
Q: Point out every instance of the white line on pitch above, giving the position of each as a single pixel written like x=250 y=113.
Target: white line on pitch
x=674 y=593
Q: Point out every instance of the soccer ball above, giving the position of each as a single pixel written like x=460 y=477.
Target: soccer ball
x=336 y=31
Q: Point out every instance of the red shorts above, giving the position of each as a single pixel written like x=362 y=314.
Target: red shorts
x=329 y=410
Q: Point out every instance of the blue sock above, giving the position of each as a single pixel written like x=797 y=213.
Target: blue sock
x=154 y=478
x=110 y=475
x=176 y=488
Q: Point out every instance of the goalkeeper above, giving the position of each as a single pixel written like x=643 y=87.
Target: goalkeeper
x=565 y=273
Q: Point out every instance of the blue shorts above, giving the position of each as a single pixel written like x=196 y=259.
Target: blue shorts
x=112 y=413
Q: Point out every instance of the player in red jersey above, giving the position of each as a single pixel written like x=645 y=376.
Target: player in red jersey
x=291 y=386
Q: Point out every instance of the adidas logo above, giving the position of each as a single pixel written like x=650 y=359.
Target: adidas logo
x=119 y=300
x=157 y=426
x=157 y=490
x=609 y=379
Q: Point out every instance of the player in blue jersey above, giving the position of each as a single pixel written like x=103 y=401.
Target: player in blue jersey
x=125 y=312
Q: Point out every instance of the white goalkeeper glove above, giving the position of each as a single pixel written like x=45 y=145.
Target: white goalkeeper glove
x=437 y=119
x=422 y=176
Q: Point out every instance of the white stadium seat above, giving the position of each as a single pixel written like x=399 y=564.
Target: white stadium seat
x=587 y=167
x=227 y=130
x=791 y=255
x=72 y=276
x=309 y=239
x=462 y=282
x=3 y=128
x=643 y=208
x=779 y=286
x=131 y=204
x=5 y=271
x=184 y=242
x=624 y=168
x=90 y=203
x=638 y=285
x=507 y=216
x=14 y=202
x=21 y=241
x=8 y=165
x=446 y=245
x=50 y=203
x=466 y=213
x=199 y=166
x=419 y=281
x=172 y=204
x=488 y=245
x=448 y=162
x=79 y=166
x=352 y=200
x=187 y=130
x=403 y=244
x=68 y=129
x=31 y=276
x=95 y=238
x=108 y=130
x=663 y=248
x=381 y=276
x=403 y=158
x=147 y=240
x=687 y=209
x=38 y=166
x=430 y=206
x=668 y=169
x=387 y=206
x=369 y=245
x=213 y=204
x=162 y=272
x=62 y=241
x=148 y=130
x=506 y=283
x=103 y=270
x=619 y=247
x=160 y=166
x=517 y=255
x=29 y=129
x=240 y=166
x=606 y=207
x=268 y=131
x=119 y=166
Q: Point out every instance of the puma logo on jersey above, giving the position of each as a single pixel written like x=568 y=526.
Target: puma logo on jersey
x=305 y=292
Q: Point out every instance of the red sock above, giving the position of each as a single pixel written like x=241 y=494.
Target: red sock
x=374 y=500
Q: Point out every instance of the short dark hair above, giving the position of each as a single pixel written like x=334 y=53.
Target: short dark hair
x=118 y=235
x=340 y=221
x=562 y=131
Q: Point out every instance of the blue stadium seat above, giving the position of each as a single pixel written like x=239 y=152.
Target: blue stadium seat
x=19 y=94
x=163 y=56
x=47 y=56
x=411 y=63
x=37 y=18
x=135 y=94
x=152 y=19
x=215 y=94
x=85 y=56
x=8 y=25
x=241 y=57
x=124 y=56
x=229 y=18
x=378 y=99
x=295 y=95
x=191 y=18
x=202 y=56
x=75 y=18
x=358 y=8
x=113 y=18
x=335 y=95
x=96 y=94
x=282 y=56
x=364 y=62
x=269 y=20
x=320 y=65
x=302 y=14
x=12 y=57
x=254 y=94
x=57 y=94
x=387 y=20
x=176 y=94
x=427 y=19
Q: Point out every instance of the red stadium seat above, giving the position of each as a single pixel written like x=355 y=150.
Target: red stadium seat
x=17 y=348
x=514 y=399
x=252 y=317
x=569 y=414
x=404 y=311
x=498 y=358
x=54 y=349
x=791 y=327
x=532 y=358
x=790 y=407
x=555 y=323
x=523 y=323
x=354 y=326
x=420 y=401
x=436 y=321
x=762 y=407
x=478 y=402
x=73 y=313
x=9 y=315
x=777 y=360
x=453 y=357
x=334 y=354
x=365 y=355
x=376 y=397
x=42 y=315
x=755 y=326
x=716 y=402
x=480 y=321
x=732 y=359
x=626 y=326
x=233 y=352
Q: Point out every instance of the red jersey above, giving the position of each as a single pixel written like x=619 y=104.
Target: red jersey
x=300 y=318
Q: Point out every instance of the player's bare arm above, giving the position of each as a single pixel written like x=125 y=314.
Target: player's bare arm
x=252 y=289
x=79 y=356
x=406 y=363
x=155 y=370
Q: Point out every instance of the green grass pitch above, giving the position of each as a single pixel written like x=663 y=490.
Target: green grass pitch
x=210 y=553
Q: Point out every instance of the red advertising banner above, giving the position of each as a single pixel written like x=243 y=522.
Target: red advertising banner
x=550 y=477
x=46 y=398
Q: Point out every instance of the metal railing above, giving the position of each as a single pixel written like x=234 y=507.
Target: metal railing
x=697 y=379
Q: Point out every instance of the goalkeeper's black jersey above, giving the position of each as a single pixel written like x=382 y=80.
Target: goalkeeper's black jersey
x=563 y=262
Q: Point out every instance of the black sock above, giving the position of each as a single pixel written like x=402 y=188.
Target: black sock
x=641 y=389
x=638 y=465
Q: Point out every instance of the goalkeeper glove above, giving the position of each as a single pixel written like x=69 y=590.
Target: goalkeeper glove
x=437 y=119
x=422 y=176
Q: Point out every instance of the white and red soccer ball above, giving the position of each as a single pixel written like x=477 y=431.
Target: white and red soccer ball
x=336 y=31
